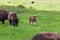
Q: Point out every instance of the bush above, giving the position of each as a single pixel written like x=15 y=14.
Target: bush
x=21 y=6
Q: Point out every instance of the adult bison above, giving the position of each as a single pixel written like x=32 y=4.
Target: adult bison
x=3 y=15
x=32 y=19
x=46 y=36
x=13 y=20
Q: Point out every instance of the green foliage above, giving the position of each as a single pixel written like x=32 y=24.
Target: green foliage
x=21 y=6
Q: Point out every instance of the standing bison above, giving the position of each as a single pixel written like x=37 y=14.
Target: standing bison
x=13 y=20
x=3 y=15
x=32 y=19
x=46 y=36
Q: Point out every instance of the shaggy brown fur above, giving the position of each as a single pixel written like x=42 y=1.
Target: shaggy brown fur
x=3 y=15
x=46 y=36
x=12 y=17
x=32 y=19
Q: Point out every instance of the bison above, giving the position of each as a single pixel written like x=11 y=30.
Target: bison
x=3 y=15
x=46 y=36
x=13 y=20
x=32 y=19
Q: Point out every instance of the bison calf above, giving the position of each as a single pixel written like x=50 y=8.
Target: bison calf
x=13 y=20
x=32 y=19
x=46 y=36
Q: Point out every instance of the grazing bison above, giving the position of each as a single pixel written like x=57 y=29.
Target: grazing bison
x=32 y=19
x=3 y=15
x=46 y=36
x=12 y=17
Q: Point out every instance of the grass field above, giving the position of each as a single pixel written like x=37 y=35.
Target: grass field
x=47 y=20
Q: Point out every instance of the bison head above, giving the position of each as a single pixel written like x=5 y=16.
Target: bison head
x=15 y=22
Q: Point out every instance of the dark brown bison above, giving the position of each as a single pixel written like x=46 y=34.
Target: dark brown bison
x=3 y=15
x=46 y=36
x=13 y=20
x=32 y=19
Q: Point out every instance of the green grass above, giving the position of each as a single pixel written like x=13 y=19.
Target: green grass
x=47 y=21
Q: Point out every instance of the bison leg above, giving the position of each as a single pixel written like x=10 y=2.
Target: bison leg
x=10 y=22
x=16 y=22
x=34 y=22
x=31 y=22
x=13 y=24
x=3 y=21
